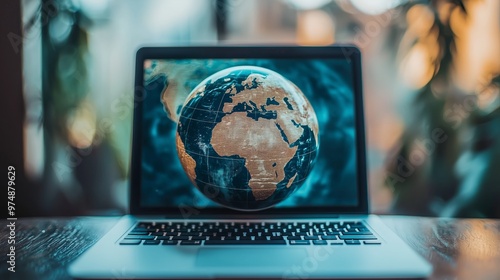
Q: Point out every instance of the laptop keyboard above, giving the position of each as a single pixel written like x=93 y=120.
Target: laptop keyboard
x=250 y=233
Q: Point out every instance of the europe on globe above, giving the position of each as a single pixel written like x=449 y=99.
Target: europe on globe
x=247 y=137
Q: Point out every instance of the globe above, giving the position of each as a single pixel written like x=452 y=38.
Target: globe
x=247 y=137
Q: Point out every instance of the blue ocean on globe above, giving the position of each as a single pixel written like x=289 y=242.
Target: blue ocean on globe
x=247 y=137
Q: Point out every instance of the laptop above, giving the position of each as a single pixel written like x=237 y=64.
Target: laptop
x=315 y=227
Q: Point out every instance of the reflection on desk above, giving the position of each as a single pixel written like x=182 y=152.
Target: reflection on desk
x=457 y=248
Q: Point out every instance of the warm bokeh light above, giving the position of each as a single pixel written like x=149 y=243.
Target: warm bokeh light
x=420 y=47
x=477 y=43
x=417 y=67
x=81 y=126
x=315 y=27
x=419 y=19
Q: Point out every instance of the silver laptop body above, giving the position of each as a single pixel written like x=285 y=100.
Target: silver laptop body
x=322 y=231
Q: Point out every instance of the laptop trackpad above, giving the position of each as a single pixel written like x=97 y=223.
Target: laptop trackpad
x=246 y=257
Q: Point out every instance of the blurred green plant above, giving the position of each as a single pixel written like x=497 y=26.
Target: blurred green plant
x=78 y=171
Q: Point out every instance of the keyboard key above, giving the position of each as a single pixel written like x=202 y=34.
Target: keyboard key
x=245 y=238
x=352 y=242
x=139 y=237
x=163 y=238
x=191 y=242
x=169 y=242
x=143 y=230
x=299 y=242
x=319 y=242
x=130 y=242
x=177 y=224
x=138 y=233
x=198 y=238
x=151 y=242
x=337 y=243
x=310 y=237
x=260 y=238
x=329 y=237
x=294 y=238
x=180 y=238
x=359 y=233
x=276 y=237
x=357 y=237
x=372 y=242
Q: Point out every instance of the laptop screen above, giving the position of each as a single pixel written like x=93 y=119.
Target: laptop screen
x=328 y=85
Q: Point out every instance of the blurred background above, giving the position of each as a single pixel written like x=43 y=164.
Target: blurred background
x=431 y=84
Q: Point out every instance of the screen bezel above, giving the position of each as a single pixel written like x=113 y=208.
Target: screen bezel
x=350 y=53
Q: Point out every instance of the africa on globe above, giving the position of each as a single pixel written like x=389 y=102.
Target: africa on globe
x=247 y=137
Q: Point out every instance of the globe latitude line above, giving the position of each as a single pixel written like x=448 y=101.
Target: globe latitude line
x=191 y=119
x=299 y=155
x=229 y=188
